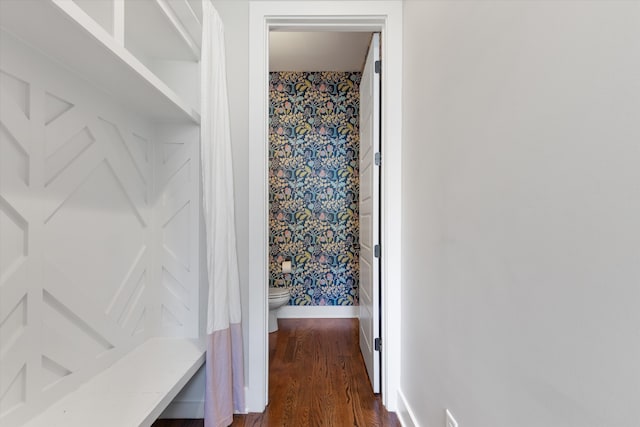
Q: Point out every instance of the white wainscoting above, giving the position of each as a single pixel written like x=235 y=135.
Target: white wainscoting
x=177 y=209
x=98 y=217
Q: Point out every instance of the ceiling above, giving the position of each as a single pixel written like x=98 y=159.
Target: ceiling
x=317 y=51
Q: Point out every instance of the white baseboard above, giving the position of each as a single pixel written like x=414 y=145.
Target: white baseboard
x=318 y=312
x=184 y=409
x=405 y=414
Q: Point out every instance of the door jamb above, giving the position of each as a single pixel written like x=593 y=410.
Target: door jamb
x=382 y=16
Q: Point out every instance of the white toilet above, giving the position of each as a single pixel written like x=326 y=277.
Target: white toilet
x=277 y=298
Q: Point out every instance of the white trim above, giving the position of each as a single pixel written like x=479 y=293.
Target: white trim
x=405 y=413
x=257 y=375
x=318 y=311
x=384 y=16
x=391 y=218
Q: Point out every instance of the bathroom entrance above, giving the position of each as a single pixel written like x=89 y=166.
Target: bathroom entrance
x=265 y=18
x=324 y=181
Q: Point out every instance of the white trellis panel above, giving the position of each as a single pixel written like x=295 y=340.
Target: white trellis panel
x=83 y=208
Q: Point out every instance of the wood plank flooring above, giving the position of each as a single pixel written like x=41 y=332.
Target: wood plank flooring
x=316 y=378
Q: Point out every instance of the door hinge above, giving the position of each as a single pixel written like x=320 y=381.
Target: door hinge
x=377 y=344
x=377 y=159
x=376 y=251
x=377 y=67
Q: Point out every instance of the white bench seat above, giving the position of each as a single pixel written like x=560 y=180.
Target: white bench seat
x=133 y=392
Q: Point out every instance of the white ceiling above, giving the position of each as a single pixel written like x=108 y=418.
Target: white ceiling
x=317 y=51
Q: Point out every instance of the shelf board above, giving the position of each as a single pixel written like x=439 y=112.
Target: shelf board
x=61 y=30
x=132 y=392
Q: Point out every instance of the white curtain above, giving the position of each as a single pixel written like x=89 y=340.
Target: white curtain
x=224 y=391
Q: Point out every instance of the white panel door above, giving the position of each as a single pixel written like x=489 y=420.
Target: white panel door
x=370 y=213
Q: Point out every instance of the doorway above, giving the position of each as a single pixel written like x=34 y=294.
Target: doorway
x=314 y=80
x=324 y=181
x=376 y=16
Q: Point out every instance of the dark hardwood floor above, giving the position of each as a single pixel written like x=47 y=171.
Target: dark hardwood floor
x=316 y=378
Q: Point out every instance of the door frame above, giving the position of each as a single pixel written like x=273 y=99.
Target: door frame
x=381 y=16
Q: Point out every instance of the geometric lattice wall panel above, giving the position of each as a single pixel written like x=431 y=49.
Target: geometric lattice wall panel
x=76 y=226
x=13 y=391
x=52 y=372
x=175 y=234
x=14 y=242
x=15 y=142
x=64 y=156
x=127 y=305
x=15 y=341
x=14 y=161
x=13 y=322
x=69 y=340
x=16 y=213
x=54 y=107
x=95 y=236
x=132 y=151
x=178 y=225
x=17 y=90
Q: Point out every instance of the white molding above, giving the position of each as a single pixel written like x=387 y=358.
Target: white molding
x=405 y=413
x=384 y=16
x=391 y=201
x=257 y=375
x=318 y=311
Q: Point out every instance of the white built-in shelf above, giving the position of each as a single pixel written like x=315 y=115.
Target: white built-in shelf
x=94 y=46
x=163 y=34
x=131 y=393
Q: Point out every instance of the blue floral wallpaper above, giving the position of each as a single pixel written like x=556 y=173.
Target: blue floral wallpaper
x=313 y=185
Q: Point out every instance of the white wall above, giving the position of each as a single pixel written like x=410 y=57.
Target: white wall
x=98 y=225
x=521 y=228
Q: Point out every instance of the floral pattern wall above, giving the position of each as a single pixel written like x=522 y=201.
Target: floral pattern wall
x=313 y=185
